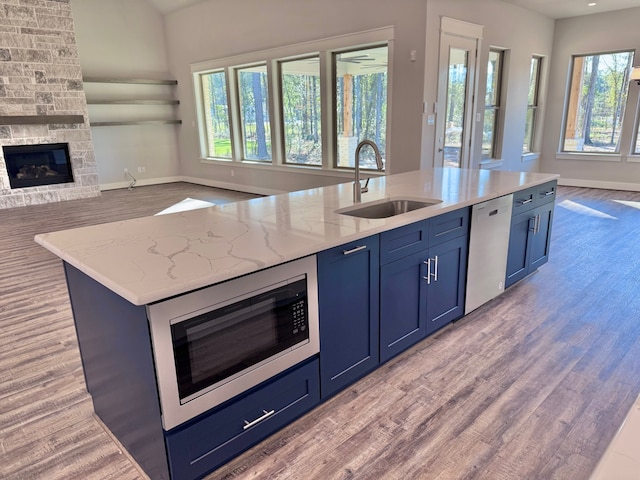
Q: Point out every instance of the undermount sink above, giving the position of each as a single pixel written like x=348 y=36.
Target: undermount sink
x=386 y=208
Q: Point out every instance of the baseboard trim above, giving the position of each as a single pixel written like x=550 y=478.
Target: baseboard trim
x=233 y=186
x=140 y=183
x=197 y=181
x=575 y=182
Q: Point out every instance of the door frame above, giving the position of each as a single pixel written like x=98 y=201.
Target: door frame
x=469 y=34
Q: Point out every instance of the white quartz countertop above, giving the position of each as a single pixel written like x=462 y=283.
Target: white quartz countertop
x=149 y=259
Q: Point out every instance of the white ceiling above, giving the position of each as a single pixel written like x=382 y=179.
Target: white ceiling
x=573 y=8
x=550 y=8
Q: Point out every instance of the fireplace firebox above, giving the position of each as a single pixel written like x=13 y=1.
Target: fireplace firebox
x=37 y=165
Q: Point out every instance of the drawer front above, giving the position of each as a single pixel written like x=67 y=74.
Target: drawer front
x=448 y=226
x=546 y=193
x=524 y=200
x=205 y=445
x=403 y=241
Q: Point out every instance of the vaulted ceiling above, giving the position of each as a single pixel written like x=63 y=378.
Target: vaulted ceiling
x=550 y=8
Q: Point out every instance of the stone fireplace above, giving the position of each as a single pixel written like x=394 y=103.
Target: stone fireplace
x=42 y=101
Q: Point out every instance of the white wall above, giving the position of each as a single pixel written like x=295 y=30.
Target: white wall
x=213 y=29
x=595 y=33
x=523 y=34
x=125 y=39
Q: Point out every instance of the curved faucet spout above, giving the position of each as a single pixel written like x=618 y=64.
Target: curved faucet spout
x=358 y=189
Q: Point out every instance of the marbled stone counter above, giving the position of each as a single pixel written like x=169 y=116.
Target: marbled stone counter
x=149 y=259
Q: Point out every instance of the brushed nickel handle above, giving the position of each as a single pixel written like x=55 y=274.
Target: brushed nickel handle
x=354 y=250
x=428 y=277
x=538 y=224
x=257 y=420
x=549 y=193
x=435 y=275
x=524 y=202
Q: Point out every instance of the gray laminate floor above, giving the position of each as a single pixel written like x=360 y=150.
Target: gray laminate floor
x=533 y=385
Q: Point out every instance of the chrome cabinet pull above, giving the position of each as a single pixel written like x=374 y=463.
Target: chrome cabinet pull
x=428 y=277
x=257 y=420
x=435 y=270
x=354 y=250
x=549 y=193
x=524 y=202
x=435 y=275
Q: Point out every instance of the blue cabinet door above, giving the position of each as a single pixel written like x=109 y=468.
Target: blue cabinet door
x=541 y=236
x=447 y=282
x=348 y=286
x=519 y=247
x=529 y=241
x=403 y=301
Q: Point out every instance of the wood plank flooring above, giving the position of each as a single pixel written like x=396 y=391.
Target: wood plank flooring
x=532 y=385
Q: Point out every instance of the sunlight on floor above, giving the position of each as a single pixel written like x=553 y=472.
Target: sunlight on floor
x=186 y=204
x=584 y=210
x=621 y=461
x=629 y=203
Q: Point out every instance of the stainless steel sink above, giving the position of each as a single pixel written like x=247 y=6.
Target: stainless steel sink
x=386 y=208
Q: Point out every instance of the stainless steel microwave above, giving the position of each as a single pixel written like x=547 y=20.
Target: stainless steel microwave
x=213 y=344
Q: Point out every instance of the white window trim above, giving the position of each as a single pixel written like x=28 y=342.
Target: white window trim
x=529 y=157
x=597 y=157
x=290 y=52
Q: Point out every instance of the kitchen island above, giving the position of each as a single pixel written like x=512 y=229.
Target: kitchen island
x=115 y=270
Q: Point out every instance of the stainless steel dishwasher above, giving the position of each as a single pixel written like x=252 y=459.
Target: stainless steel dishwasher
x=488 y=248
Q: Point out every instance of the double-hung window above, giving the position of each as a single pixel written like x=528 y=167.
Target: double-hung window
x=492 y=117
x=532 y=105
x=596 y=102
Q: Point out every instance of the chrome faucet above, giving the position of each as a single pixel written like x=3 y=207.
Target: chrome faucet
x=358 y=189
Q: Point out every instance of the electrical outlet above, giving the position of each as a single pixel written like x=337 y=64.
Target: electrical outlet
x=126 y=170
x=233 y=173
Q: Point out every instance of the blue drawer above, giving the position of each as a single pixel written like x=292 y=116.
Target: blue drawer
x=403 y=241
x=448 y=226
x=200 y=447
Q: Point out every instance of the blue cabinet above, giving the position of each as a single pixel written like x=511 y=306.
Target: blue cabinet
x=423 y=290
x=210 y=441
x=530 y=234
x=348 y=288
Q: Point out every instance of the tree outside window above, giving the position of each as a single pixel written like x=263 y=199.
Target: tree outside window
x=532 y=104
x=361 y=97
x=254 y=113
x=492 y=104
x=596 y=101
x=301 y=111
x=216 y=112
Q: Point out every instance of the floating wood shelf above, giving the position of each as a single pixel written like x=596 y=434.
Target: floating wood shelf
x=143 y=81
x=133 y=102
x=39 y=119
x=136 y=122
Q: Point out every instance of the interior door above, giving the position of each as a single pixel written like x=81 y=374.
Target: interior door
x=456 y=86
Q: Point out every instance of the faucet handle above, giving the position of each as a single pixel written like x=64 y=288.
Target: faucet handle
x=365 y=189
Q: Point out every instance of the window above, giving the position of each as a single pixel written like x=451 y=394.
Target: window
x=304 y=106
x=301 y=111
x=254 y=113
x=532 y=105
x=216 y=113
x=492 y=104
x=596 y=101
x=361 y=98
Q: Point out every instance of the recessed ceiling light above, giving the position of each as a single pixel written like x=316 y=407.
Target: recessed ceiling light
x=591 y=4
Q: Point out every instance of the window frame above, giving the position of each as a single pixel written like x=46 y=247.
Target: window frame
x=623 y=135
x=324 y=49
x=498 y=122
x=534 y=107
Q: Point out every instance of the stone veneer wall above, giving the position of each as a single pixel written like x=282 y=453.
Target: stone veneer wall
x=40 y=76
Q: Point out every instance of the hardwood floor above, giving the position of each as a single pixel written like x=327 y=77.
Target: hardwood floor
x=532 y=385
